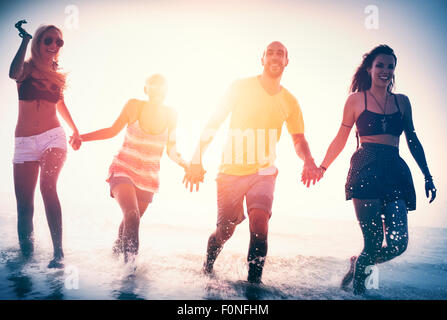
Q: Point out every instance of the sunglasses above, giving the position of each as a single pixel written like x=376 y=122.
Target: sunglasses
x=48 y=41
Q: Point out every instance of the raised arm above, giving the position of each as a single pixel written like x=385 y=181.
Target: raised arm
x=416 y=149
x=16 y=70
x=171 y=148
x=339 y=142
x=113 y=130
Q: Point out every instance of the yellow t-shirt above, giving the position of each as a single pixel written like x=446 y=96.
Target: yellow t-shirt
x=255 y=126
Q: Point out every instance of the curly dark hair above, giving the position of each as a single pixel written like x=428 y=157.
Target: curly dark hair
x=361 y=81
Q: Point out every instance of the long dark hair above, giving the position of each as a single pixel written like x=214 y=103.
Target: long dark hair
x=361 y=81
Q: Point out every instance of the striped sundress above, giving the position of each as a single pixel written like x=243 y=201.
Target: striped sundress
x=139 y=157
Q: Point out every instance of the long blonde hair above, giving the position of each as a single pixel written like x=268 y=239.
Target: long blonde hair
x=52 y=72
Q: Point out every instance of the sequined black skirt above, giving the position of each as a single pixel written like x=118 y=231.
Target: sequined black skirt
x=378 y=172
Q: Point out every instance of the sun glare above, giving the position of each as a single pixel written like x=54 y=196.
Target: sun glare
x=201 y=49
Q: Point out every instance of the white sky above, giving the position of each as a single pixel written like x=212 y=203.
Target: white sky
x=201 y=47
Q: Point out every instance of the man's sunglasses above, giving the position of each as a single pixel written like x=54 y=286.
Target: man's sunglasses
x=48 y=41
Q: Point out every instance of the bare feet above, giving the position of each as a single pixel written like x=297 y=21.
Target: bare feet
x=350 y=274
x=360 y=282
x=359 y=288
x=56 y=263
x=254 y=279
x=255 y=268
x=207 y=268
x=27 y=249
x=117 y=248
x=58 y=257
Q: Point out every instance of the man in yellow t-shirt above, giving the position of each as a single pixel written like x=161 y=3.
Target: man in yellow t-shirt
x=259 y=106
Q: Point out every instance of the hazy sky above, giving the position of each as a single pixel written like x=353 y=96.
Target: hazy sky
x=201 y=47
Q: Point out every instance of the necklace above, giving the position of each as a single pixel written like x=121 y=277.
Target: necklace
x=384 y=123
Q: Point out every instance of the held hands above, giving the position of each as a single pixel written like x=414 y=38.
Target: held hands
x=430 y=188
x=194 y=174
x=75 y=141
x=311 y=173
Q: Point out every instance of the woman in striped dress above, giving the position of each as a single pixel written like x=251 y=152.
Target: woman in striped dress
x=133 y=174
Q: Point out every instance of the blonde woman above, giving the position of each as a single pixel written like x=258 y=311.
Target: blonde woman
x=133 y=175
x=40 y=141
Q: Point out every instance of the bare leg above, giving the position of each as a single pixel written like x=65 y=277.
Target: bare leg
x=394 y=223
x=118 y=245
x=25 y=180
x=257 y=251
x=396 y=231
x=369 y=216
x=51 y=164
x=350 y=274
x=216 y=241
x=127 y=199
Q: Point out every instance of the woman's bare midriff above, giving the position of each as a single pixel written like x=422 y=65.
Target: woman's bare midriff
x=381 y=139
x=36 y=117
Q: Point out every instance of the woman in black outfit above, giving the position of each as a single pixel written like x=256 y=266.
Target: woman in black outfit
x=379 y=181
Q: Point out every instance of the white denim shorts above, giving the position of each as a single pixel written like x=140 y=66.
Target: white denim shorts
x=32 y=148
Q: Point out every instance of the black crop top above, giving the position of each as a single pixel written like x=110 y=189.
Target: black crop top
x=371 y=123
x=34 y=89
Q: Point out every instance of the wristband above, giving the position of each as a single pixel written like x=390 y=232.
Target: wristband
x=324 y=168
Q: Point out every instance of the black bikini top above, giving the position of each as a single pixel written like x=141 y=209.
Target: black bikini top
x=35 y=89
x=371 y=123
